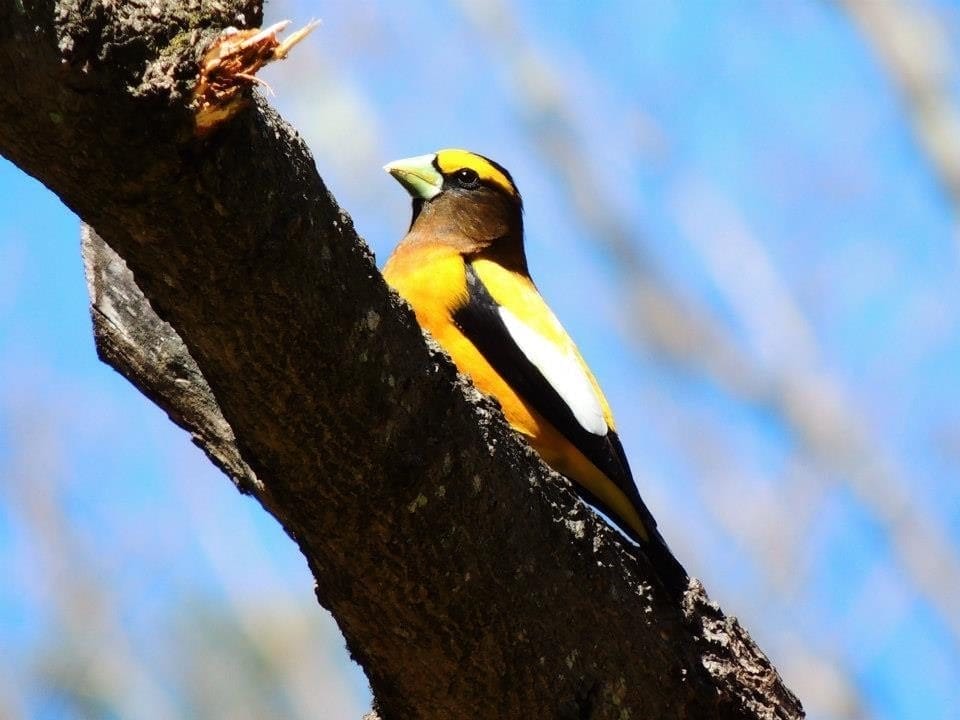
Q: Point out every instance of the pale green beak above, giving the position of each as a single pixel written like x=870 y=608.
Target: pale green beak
x=417 y=175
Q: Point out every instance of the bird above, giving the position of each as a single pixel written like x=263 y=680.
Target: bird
x=463 y=269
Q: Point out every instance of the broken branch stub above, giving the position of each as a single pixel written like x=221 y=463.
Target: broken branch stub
x=229 y=68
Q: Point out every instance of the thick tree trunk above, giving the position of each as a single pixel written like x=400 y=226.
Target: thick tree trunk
x=468 y=579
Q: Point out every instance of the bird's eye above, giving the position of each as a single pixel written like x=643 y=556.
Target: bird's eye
x=467 y=177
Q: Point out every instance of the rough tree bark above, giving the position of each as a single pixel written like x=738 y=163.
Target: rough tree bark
x=469 y=581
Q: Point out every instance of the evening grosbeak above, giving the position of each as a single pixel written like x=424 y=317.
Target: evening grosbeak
x=463 y=269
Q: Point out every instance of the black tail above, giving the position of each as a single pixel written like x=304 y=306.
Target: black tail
x=670 y=572
x=672 y=575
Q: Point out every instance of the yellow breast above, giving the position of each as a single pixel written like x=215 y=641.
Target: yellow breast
x=433 y=280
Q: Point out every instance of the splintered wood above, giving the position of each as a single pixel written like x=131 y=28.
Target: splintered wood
x=229 y=67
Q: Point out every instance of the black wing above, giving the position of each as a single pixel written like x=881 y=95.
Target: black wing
x=479 y=319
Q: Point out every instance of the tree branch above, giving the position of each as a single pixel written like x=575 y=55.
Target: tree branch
x=469 y=581
x=148 y=352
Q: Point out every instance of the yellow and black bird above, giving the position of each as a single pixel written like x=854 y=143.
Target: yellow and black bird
x=463 y=269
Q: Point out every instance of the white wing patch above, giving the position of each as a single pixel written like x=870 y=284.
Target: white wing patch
x=561 y=369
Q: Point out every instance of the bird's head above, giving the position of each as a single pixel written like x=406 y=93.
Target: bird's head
x=463 y=197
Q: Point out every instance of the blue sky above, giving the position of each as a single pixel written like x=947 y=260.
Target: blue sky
x=761 y=161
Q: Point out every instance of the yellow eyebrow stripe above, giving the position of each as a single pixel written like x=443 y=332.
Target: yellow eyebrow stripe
x=453 y=159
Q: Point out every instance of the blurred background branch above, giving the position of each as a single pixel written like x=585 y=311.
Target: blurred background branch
x=89 y=664
x=910 y=41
